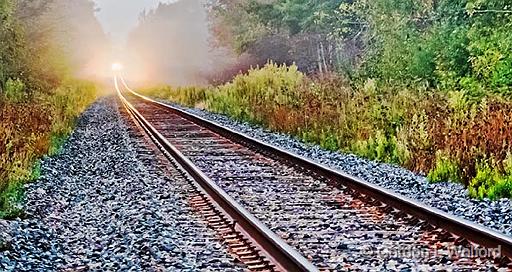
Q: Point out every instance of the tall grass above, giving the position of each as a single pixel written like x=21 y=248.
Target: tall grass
x=31 y=128
x=442 y=134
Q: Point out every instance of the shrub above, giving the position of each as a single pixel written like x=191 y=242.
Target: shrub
x=445 y=170
x=485 y=179
x=189 y=96
x=430 y=131
x=14 y=90
x=490 y=182
x=502 y=189
x=32 y=128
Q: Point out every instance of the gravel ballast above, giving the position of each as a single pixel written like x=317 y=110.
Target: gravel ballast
x=446 y=196
x=101 y=205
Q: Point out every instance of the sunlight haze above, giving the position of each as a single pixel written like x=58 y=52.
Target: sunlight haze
x=118 y=17
x=256 y=135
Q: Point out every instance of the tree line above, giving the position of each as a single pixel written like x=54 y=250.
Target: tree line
x=44 y=41
x=448 y=44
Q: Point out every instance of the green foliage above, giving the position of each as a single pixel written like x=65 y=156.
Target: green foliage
x=57 y=140
x=462 y=44
x=273 y=84
x=445 y=170
x=397 y=38
x=382 y=148
x=14 y=90
x=235 y=26
x=191 y=96
x=450 y=44
x=31 y=129
x=251 y=17
x=12 y=47
x=490 y=183
x=38 y=100
x=36 y=171
x=440 y=133
x=502 y=189
x=35 y=41
x=285 y=31
x=297 y=16
x=430 y=81
x=11 y=198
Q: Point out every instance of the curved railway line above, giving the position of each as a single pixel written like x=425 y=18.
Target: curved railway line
x=273 y=207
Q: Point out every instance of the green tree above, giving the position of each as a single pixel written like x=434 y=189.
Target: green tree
x=490 y=43
x=10 y=43
x=394 y=35
x=281 y=30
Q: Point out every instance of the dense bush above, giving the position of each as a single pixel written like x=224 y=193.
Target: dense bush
x=30 y=129
x=38 y=99
x=436 y=133
x=428 y=83
x=450 y=44
x=14 y=90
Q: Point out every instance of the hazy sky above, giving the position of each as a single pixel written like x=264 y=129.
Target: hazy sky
x=118 y=17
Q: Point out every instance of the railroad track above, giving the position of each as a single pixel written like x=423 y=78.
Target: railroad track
x=336 y=221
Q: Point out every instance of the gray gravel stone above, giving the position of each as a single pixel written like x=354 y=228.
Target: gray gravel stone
x=447 y=196
x=330 y=226
x=101 y=205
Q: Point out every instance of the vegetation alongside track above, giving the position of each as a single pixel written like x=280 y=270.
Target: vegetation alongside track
x=39 y=99
x=433 y=132
x=423 y=84
x=33 y=128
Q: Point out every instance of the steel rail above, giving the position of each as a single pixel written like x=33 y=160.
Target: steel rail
x=461 y=227
x=279 y=251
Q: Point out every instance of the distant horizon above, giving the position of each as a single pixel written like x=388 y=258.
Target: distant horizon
x=119 y=19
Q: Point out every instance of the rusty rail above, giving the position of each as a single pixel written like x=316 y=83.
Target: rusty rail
x=285 y=257
x=473 y=232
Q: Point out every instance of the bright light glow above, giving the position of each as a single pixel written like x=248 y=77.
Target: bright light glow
x=116 y=67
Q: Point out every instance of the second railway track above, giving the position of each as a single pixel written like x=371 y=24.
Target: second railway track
x=335 y=221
